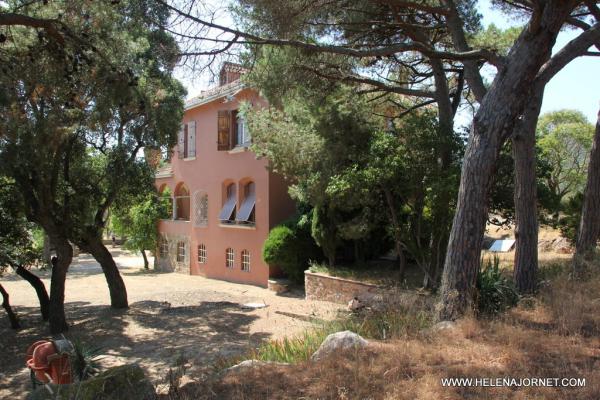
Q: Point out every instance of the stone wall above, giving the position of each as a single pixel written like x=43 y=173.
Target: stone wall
x=170 y=263
x=337 y=290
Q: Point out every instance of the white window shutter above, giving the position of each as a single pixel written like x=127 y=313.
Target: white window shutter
x=200 y=208
x=181 y=142
x=191 y=139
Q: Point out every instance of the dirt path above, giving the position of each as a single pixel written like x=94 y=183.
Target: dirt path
x=171 y=317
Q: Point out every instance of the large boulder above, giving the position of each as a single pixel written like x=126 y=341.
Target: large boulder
x=126 y=382
x=339 y=341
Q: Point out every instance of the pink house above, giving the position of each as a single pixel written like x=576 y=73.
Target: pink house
x=224 y=198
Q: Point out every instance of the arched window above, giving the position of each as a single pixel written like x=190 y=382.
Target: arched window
x=227 y=214
x=202 y=253
x=166 y=202
x=182 y=203
x=229 y=258
x=245 y=261
x=247 y=213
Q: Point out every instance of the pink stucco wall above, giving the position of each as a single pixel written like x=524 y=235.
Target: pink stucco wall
x=208 y=172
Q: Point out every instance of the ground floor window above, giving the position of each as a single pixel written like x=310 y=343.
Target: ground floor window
x=202 y=253
x=164 y=248
x=245 y=260
x=180 y=251
x=229 y=257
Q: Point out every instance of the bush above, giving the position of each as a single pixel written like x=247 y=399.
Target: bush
x=495 y=293
x=290 y=247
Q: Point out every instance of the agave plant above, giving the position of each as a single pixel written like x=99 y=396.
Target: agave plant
x=495 y=292
x=85 y=361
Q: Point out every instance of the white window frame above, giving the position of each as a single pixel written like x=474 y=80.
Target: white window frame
x=230 y=258
x=243 y=134
x=202 y=253
x=245 y=260
x=180 y=251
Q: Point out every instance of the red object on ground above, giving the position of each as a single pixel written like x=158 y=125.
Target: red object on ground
x=47 y=364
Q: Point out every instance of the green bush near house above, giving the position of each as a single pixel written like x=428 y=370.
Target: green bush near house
x=290 y=247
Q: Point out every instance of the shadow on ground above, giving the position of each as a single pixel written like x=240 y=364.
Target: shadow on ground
x=153 y=333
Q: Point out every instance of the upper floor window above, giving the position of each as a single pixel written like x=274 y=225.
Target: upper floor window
x=182 y=203
x=186 y=140
x=242 y=132
x=180 y=251
x=232 y=130
x=200 y=208
x=246 y=214
x=245 y=261
x=202 y=254
x=229 y=258
x=227 y=214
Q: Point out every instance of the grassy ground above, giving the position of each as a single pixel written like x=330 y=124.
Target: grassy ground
x=555 y=334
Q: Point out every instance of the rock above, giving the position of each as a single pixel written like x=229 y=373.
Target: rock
x=339 y=341
x=126 y=382
x=443 y=325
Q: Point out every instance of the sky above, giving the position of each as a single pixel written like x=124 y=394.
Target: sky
x=577 y=86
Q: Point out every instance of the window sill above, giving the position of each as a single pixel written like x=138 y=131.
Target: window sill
x=239 y=149
x=189 y=158
x=236 y=226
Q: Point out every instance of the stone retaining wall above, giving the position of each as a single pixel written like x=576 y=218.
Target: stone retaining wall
x=337 y=290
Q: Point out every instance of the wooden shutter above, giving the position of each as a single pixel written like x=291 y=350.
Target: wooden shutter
x=224 y=130
x=181 y=142
x=191 y=142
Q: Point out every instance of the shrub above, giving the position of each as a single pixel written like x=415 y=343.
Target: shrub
x=495 y=292
x=290 y=247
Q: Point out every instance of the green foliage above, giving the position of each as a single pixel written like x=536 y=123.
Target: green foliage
x=138 y=222
x=76 y=115
x=495 y=292
x=571 y=217
x=496 y=39
x=17 y=245
x=290 y=247
x=565 y=140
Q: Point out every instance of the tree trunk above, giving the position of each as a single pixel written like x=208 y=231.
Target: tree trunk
x=397 y=235
x=14 y=321
x=116 y=286
x=589 y=226
x=525 y=196
x=46 y=251
x=145 y=259
x=494 y=120
x=40 y=289
x=64 y=253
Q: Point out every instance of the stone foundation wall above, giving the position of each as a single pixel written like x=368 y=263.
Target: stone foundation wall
x=337 y=290
x=170 y=263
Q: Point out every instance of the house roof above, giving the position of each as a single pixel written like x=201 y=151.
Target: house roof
x=206 y=96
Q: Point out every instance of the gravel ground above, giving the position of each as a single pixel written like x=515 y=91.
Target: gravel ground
x=172 y=317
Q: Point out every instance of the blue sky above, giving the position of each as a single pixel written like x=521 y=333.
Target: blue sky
x=577 y=86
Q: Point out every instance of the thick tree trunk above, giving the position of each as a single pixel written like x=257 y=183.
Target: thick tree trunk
x=116 y=286
x=64 y=253
x=40 y=289
x=14 y=321
x=46 y=251
x=146 y=266
x=525 y=196
x=495 y=119
x=589 y=226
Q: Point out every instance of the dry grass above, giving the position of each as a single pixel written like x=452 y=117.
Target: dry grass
x=554 y=335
